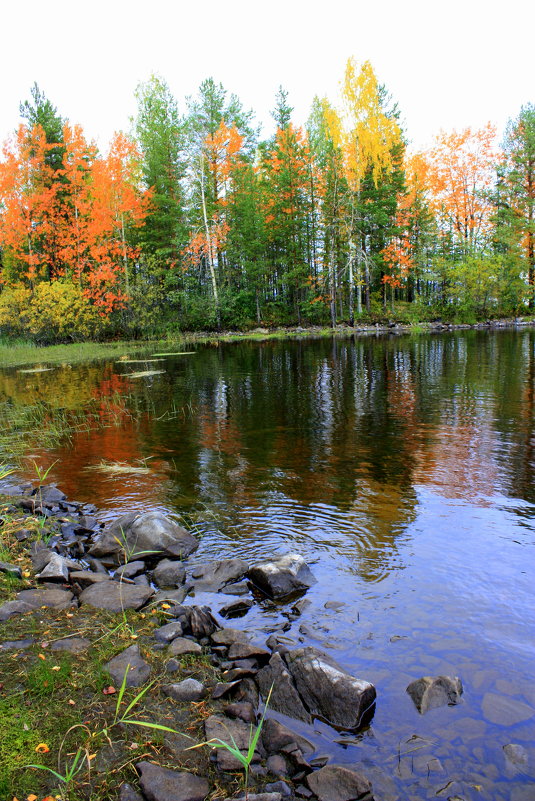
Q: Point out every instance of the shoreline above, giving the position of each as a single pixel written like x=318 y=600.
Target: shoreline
x=18 y=353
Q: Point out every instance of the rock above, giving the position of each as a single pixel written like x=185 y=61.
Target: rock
x=56 y=569
x=74 y=645
x=54 y=598
x=129 y=660
x=12 y=570
x=162 y=784
x=245 y=650
x=168 y=632
x=86 y=577
x=236 y=608
x=169 y=573
x=279 y=787
x=16 y=645
x=196 y=620
x=281 y=577
x=223 y=688
x=214 y=576
x=115 y=596
x=127 y=793
x=244 y=711
x=237 y=588
x=275 y=736
x=12 y=608
x=337 y=783
x=40 y=556
x=431 y=692
x=49 y=494
x=180 y=646
x=229 y=636
x=504 y=710
x=130 y=570
x=187 y=690
x=257 y=797
x=140 y=581
x=173 y=597
x=144 y=536
x=222 y=728
x=277 y=765
x=517 y=756
x=280 y=643
x=96 y=565
x=327 y=691
x=284 y=696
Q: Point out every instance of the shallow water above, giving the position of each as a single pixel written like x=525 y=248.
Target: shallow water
x=402 y=468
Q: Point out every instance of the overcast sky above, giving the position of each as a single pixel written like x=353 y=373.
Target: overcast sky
x=447 y=64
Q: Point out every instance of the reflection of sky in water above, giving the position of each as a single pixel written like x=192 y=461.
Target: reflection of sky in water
x=402 y=469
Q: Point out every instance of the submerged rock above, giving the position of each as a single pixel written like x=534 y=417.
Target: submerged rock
x=431 y=692
x=279 y=578
x=143 y=537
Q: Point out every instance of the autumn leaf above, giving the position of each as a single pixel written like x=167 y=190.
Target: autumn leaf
x=109 y=690
x=42 y=748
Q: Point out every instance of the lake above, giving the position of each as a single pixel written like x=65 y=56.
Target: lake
x=401 y=467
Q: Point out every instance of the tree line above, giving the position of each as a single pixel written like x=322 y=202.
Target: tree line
x=191 y=221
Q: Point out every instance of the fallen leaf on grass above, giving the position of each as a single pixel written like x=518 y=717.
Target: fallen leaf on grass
x=109 y=690
x=56 y=667
x=41 y=656
x=42 y=748
x=31 y=797
x=71 y=702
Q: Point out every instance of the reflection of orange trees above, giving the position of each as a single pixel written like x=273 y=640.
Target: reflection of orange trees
x=108 y=444
x=460 y=463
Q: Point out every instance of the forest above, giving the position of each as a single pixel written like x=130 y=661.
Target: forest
x=190 y=221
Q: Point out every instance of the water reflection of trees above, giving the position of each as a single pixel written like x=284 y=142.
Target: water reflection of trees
x=343 y=429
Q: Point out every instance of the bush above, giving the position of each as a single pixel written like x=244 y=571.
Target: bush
x=55 y=312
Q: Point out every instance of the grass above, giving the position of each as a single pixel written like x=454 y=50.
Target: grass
x=53 y=711
x=19 y=352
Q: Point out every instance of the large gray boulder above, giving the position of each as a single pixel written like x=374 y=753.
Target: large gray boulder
x=309 y=684
x=431 y=692
x=162 y=784
x=215 y=575
x=143 y=537
x=281 y=577
x=338 y=783
x=115 y=596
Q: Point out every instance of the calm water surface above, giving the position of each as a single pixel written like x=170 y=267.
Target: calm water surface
x=402 y=469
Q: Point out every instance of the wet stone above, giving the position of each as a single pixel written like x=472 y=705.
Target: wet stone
x=216 y=575
x=237 y=608
x=516 y=755
x=279 y=787
x=244 y=711
x=281 y=577
x=237 y=588
x=432 y=692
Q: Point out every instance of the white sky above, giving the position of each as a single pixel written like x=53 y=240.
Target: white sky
x=448 y=64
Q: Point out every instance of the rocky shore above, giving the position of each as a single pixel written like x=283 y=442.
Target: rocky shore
x=139 y=565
